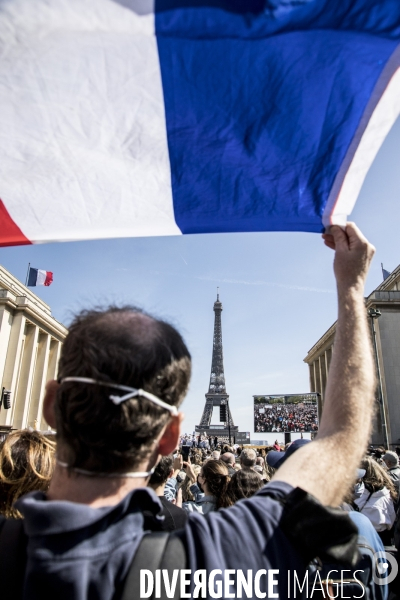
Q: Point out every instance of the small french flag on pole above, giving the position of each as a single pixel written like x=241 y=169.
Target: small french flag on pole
x=39 y=277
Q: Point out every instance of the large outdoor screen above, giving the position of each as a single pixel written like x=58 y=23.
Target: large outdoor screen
x=286 y=413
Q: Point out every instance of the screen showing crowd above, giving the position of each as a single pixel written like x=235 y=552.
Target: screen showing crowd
x=286 y=413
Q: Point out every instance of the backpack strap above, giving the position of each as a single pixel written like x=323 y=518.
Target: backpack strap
x=159 y=550
x=12 y=558
x=319 y=531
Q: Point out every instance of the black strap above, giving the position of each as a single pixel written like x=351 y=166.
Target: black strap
x=365 y=503
x=159 y=550
x=12 y=559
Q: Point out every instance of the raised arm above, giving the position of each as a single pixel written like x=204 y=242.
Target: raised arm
x=326 y=467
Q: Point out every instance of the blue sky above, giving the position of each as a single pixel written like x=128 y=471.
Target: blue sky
x=277 y=289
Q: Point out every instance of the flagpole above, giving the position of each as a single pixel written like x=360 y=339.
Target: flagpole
x=27 y=274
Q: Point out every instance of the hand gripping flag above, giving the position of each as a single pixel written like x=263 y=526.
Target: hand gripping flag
x=134 y=118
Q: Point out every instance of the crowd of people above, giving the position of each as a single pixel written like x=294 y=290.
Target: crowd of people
x=81 y=509
x=282 y=418
x=208 y=480
x=201 y=440
x=213 y=479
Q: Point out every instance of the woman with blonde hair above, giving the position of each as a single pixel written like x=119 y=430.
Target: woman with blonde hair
x=377 y=500
x=26 y=465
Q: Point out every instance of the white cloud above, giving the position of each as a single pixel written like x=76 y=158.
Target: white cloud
x=271 y=283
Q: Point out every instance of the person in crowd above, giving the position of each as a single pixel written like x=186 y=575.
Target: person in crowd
x=27 y=460
x=276 y=458
x=215 y=454
x=211 y=488
x=260 y=467
x=260 y=461
x=229 y=459
x=243 y=484
x=269 y=471
x=122 y=375
x=248 y=458
x=227 y=448
x=377 y=500
x=174 y=479
x=391 y=461
x=171 y=517
x=198 y=459
x=367 y=538
x=204 y=443
x=378 y=453
x=359 y=486
x=187 y=495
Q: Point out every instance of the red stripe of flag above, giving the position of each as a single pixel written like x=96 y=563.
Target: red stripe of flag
x=49 y=278
x=10 y=233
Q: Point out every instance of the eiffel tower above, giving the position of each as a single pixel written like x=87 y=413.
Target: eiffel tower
x=217 y=394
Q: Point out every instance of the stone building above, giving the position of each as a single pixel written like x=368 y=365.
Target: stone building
x=30 y=344
x=383 y=310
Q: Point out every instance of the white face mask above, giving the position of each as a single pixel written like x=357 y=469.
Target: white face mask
x=132 y=392
x=359 y=489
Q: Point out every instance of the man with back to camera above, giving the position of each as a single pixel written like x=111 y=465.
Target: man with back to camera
x=247 y=458
x=229 y=459
x=122 y=375
x=391 y=461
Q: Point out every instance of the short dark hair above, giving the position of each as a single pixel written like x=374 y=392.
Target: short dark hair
x=128 y=347
x=162 y=471
x=244 y=483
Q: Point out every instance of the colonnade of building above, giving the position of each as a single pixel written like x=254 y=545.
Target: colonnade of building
x=319 y=369
x=382 y=309
x=30 y=346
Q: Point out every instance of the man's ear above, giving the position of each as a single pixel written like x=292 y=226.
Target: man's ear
x=170 y=438
x=49 y=401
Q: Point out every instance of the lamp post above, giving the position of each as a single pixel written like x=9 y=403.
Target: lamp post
x=375 y=313
x=228 y=418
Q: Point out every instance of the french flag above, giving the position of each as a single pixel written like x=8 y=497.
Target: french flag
x=39 y=277
x=128 y=118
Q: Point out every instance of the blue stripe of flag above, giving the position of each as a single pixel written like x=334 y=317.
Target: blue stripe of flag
x=259 y=128
x=32 y=278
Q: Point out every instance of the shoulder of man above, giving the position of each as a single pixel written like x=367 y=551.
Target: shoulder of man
x=13 y=543
x=291 y=524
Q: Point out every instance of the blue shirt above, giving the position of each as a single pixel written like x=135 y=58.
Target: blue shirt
x=368 y=535
x=76 y=552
